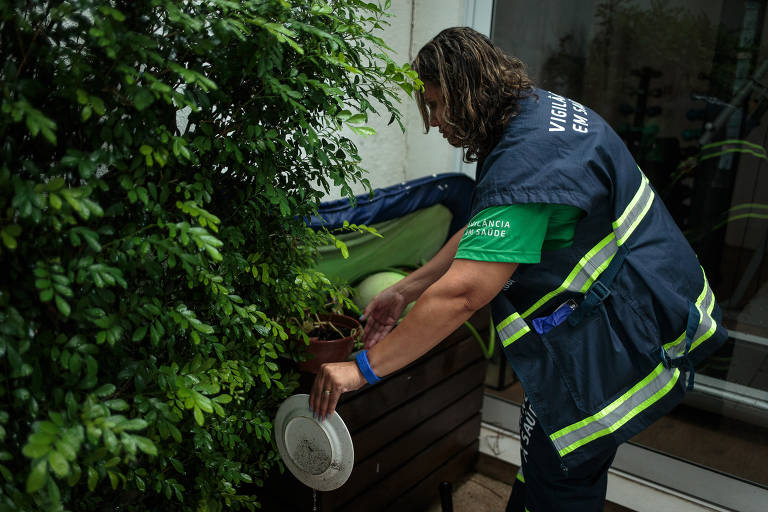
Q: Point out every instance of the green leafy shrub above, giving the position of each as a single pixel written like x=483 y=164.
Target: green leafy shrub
x=156 y=269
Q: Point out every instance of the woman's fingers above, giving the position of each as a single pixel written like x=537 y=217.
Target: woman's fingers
x=368 y=309
x=316 y=395
x=376 y=333
x=330 y=400
x=331 y=382
x=375 y=330
x=368 y=332
x=370 y=327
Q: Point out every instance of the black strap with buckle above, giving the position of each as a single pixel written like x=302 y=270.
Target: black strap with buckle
x=600 y=289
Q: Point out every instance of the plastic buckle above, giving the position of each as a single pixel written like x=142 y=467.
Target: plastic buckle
x=683 y=363
x=673 y=362
x=600 y=291
x=665 y=359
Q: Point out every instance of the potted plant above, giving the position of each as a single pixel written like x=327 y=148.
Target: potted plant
x=331 y=338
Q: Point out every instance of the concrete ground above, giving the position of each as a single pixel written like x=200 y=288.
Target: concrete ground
x=477 y=493
x=487 y=489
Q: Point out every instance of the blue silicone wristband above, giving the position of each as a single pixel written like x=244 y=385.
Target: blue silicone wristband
x=365 y=367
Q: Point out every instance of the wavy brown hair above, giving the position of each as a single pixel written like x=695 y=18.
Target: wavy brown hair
x=481 y=87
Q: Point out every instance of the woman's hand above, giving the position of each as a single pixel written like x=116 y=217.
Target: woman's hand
x=382 y=314
x=331 y=381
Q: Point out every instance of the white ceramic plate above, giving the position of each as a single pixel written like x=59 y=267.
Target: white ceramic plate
x=319 y=454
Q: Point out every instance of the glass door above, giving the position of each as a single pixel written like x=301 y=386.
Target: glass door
x=685 y=83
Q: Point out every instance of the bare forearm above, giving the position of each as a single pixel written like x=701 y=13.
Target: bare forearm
x=432 y=319
x=413 y=285
x=445 y=306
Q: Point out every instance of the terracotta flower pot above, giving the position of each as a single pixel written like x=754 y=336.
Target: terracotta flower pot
x=323 y=350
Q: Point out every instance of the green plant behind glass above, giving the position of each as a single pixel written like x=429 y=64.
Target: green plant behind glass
x=716 y=150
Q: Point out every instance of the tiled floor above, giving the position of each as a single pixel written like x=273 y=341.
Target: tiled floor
x=478 y=492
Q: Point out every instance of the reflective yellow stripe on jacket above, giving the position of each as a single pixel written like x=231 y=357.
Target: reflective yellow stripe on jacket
x=643 y=394
x=589 y=268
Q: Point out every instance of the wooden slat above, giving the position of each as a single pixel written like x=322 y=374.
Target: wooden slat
x=364 y=408
x=395 y=453
x=422 y=405
x=426 y=492
x=400 y=409
x=381 y=433
x=416 y=469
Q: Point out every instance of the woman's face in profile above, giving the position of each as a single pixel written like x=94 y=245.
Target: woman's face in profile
x=433 y=99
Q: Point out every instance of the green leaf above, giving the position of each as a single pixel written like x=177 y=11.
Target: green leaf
x=143 y=98
x=177 y=465
x=93 y=479
x=74 y=475
x=133 y=424
x=41 y=272
x=114 y=13
x=7 y=475
x=110 y=440
x=58 y=463
x=38 y=476
x=203 y=402
x=105 y=390
x=342 y=247
x=62 y=305
x=34 y=451
x=82 y=96
x=146 y=445
x=67 y=448
x=44 y=438
x=8 y=240
x=213 y=253
x=139 y=333
x=55 y=201
x=98 y=105
x=357 y=119
x=113 y=480
x=66 y=291
x=363 y=130
x=117 y=405
x=198 y=416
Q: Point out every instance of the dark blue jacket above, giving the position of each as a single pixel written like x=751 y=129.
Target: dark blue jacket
x=645 y=313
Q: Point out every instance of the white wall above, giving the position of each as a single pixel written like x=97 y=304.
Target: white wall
x=383 y=153
x=391 y=156
x=429 y=153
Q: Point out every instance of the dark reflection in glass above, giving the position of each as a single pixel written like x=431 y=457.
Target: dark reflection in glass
x=685 y=85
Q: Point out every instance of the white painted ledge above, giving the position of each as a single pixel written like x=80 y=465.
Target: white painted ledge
x=624 y=489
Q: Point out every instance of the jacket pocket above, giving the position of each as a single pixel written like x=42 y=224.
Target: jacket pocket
x=597 y=358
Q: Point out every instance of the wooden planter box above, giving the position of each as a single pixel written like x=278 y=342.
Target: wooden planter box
x=411 y=431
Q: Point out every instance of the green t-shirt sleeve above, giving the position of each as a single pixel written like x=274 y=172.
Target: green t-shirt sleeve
x=511 y=233
x=518 y=233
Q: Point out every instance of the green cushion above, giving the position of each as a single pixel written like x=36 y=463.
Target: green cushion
x=410 y=240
